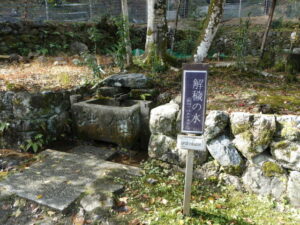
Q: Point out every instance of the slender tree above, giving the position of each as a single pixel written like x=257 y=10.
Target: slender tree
x=212 y=23
x=264 y=40
x=126 y=32
x=157 y=28
x=176 y=22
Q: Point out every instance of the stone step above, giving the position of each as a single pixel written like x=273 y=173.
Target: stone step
x=59 y=178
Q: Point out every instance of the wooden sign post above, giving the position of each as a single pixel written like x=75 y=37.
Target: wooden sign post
x=194 y=91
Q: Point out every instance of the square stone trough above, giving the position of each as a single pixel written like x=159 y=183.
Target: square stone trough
x=113 y=121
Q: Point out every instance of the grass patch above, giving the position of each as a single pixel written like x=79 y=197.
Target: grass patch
x=280 y=102
x=161 y=203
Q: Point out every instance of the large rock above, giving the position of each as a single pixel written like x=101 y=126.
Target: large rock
x=131 y=80
x=224 y=152
x=253 y=133
x=163 y=119
x=215 y=123
x=165 y=148
x=293 y=188
x=78 y=47
x=229 y=179
x=209 y=170
x=288 y=128
x=287 y=154
x=272 y=183
x=102 y=200
x=286 y=145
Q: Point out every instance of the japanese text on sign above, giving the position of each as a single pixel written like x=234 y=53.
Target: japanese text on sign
x=194 y=101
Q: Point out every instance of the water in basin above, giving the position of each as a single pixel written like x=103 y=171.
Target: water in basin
x=113 y=102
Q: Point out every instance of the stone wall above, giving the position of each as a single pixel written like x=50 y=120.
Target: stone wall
x=24 y=115
x=53 y=37
x=256 y=152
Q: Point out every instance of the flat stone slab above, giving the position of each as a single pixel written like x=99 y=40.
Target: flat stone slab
x=130 y=80
x=89 y=150
x=59 y=178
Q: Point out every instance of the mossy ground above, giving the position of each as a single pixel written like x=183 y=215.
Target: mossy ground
x=212 y=203
x=232 y=90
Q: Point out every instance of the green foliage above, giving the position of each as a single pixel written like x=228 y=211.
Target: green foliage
x=277 y=24
x=157 y=66
x=3 y=126
x=154 y=62
x=91 y=62
x=144 y=96
x=118 y=50
x=186 y=45
x=35 y=144
x=95 y=36
x=241 y=44
x=268 y=59
x=279 y=66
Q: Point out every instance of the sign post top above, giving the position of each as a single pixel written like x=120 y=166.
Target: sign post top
x=203 y=66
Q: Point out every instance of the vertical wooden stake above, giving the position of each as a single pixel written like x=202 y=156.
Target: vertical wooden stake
x=188 y=182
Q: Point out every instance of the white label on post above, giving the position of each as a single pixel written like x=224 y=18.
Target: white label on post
x=191 y=142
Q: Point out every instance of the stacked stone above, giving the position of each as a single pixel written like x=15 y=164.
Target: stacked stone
x=258 y=152
x=28 y=114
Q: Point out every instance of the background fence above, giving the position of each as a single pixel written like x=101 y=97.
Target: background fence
x=92 y=10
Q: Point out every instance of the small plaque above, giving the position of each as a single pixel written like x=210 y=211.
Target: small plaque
x=191 y=142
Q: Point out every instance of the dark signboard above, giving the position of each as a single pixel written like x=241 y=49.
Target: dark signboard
x=194 y=89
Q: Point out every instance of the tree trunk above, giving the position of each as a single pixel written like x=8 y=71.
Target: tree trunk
x=264 y=40
x=176 y=23
x=213 y=20
x=126 y=33
x=240 y=9
x=157 y=28
x=25 y=9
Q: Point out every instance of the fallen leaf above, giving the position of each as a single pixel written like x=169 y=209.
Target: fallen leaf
x=50 y=213
x=144 y=196
x=211 y=199
x=164 y=201
x=16 y=203
x=219 y=206
x=135 y=222
x=5 y=207
x=18 y=213
x=124 y=199
x=3 y=173
x=39 y=196
x=152 y=200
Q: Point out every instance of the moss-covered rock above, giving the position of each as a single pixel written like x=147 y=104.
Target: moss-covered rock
x=271 y=169
x=287 y=153
x=286 y=145
x=164 y=148
x=255 y=180
x=253 y=133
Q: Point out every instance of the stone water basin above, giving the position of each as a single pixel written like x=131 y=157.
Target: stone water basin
x=108 y=120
